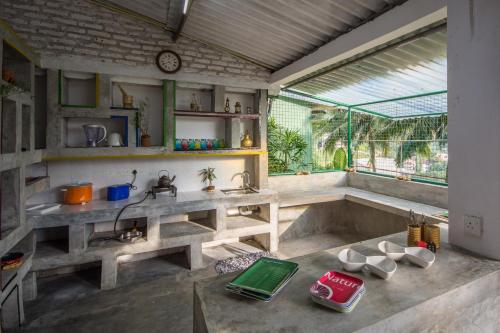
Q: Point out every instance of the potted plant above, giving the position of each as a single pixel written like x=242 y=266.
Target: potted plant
x=9 y=89
x=143 y=123
x=208 y=174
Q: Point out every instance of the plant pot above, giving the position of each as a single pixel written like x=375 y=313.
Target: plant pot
x=210 y=188
x=145 y=140
x=8 y=75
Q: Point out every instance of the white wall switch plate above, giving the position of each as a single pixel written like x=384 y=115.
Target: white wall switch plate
x=473 y=225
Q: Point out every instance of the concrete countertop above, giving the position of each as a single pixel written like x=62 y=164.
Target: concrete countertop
x=367 y=198
x=413 y=300
x=102 y=210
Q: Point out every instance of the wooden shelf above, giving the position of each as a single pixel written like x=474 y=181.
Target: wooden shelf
x=182 y=113
x=121 y=108
x=73 y=154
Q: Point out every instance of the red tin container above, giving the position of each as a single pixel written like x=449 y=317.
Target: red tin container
x=338 y=291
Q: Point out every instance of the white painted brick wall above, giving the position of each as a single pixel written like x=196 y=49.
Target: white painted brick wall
x=77 y=27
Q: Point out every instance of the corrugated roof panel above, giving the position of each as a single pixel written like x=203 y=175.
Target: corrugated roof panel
x=272 y=33
x=414 y=67
x=278 y=32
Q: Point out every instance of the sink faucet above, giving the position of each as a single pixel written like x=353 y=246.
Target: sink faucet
x=245 y=178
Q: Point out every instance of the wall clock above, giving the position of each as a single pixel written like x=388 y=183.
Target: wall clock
x=168 y=61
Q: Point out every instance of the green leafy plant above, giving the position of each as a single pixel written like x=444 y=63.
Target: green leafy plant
x=286 y=147
x=207 y=174
x=142 y=117
x=9 y=89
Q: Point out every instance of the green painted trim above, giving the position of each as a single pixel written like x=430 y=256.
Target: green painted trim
x=361 y=110
x=165 y=113
x=421 y=115
x=321 y=99
x=97 y=89
x=79 y=106
x=59 y=87
x=326 y=171
x=293 y=173
x=349 y=139
x=401 y=98
x=430 y=182
x=174 y=107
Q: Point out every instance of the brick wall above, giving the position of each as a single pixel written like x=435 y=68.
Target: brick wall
x=70 y=29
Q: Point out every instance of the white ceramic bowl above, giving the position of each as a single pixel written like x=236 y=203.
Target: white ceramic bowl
x=382 y=266
x=351 y=260
x=392 y=250
x=420 y=256
x=417 y=255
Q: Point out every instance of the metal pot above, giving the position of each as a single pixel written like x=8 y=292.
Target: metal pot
x=76 y=194
x=165 y=180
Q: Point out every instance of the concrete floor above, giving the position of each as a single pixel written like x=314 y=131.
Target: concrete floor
x=153 y=295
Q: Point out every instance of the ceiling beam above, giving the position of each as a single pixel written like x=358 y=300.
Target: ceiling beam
x=183 y=20
x=395 y=23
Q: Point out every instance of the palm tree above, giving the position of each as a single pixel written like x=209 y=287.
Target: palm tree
x=413 y=134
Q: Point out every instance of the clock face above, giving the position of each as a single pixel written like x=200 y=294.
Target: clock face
x=168 y=61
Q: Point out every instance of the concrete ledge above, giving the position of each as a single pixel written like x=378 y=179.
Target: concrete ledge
x=433 y=195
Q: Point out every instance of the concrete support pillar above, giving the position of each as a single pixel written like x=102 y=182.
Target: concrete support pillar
x=195 y=255
x=76 y=238
x=270 y=241
x=232 y=130
x=218 y=101
x=30 y=290
x=153 y=229
x=220 y=218
x=474 y=120
x=169 y=117
x=109 y=272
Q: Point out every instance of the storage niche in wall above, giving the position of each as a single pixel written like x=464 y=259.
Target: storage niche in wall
x=40 y=108
x=201 y=117
x=16 y=68
x=147 y=100
x=26 y=127
x=8 y=126
x=77 y=89
x=247 y=101
x=9 y=201
x=75 y=133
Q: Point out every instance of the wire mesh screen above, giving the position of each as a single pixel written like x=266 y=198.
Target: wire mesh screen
x=300 y=135
x=407 y=138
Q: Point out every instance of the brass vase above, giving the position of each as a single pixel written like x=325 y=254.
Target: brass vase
x=246 y=142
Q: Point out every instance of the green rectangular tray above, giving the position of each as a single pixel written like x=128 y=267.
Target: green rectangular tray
x=265 y=276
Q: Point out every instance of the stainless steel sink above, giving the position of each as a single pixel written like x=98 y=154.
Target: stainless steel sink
x=237 y=191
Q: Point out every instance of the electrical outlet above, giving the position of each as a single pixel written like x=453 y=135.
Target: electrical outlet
x=473 y=225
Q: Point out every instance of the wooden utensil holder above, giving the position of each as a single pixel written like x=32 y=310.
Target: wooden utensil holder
x=432 y=233
x=414 y=234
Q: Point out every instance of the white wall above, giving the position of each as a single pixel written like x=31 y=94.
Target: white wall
x=103 y=173
x=474 y=121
